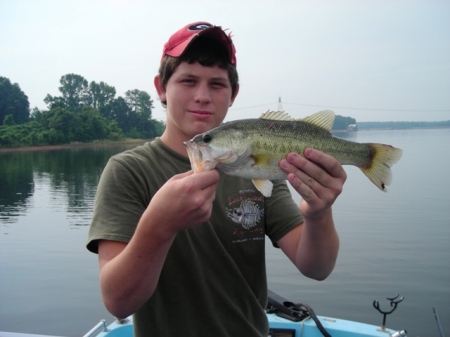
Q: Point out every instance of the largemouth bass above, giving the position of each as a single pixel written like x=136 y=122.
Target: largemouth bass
x=252 y=148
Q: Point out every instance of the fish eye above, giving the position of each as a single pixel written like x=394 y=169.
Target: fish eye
x=207 y=138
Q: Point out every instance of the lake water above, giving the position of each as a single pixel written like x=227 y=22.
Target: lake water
x=391 y=243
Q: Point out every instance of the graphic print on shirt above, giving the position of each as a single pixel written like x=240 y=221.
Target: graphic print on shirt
x=246 y=210
x=248 y=213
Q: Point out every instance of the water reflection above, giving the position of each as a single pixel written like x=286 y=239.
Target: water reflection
x=16 y=185
x=70 y=175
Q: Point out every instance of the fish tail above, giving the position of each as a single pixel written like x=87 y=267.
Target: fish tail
x=379 y=168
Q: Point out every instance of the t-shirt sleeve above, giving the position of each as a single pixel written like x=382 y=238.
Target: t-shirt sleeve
x=119 y=204
x=282 y=213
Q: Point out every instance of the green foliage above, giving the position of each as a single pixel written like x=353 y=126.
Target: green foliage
x=13 y=102
x=341 y=122
x=84 y=112
x=60 y=126
x=20 y=134
x=36 y=115
x=118 y=111
x=75 y=93
x=9 y=120
x=139 y=118
x=159 y=126
x=86 y=126
x=100 y=94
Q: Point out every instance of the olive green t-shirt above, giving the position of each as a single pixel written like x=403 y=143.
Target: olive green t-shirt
x=213 y=282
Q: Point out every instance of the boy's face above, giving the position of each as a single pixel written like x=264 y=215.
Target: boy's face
x=197 y=98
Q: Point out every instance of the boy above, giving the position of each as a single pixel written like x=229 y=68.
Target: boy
x=184 y=252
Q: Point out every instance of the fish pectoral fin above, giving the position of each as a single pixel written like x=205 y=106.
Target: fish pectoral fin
x=322 y=119
x=264 y=186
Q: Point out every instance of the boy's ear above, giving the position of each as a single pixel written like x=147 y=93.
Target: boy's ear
x=159 y=88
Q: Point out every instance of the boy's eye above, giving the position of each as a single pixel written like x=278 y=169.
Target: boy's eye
x=218 y=84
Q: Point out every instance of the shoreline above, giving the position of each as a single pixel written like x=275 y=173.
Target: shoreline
x=69 y=146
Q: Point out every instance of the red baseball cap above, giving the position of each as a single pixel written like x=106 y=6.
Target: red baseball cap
x=179 y=41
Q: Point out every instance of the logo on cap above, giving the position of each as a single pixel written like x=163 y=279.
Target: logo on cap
x=200 y=26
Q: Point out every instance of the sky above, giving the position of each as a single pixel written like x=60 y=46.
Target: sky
x=373 y=60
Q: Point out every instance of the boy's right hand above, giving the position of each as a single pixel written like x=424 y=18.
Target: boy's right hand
x=184 y=201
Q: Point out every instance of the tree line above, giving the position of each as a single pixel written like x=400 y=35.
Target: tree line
x=83 y=112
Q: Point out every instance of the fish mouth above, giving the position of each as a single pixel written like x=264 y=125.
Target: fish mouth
x=200 y=157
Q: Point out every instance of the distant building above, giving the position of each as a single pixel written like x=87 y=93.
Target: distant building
x=352 y=127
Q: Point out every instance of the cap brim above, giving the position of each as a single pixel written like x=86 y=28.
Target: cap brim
x=179 y=49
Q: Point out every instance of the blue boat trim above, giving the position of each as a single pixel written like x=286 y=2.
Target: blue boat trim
x=306 y=328
x=287 y=319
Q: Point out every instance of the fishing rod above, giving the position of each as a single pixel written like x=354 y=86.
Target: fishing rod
x=441 y=332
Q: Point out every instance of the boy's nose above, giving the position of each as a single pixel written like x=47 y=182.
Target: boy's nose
x=202 y=94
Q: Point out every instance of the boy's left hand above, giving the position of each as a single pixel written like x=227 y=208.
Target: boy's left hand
x=317 y=177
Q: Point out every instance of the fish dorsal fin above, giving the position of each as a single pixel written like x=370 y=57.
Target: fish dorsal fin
x=322 y=119
x=276 y=116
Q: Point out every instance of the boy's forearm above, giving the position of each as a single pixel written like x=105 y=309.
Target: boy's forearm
x=129 y=279
x=318 y=248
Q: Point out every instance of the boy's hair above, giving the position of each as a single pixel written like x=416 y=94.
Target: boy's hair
x=206 y=51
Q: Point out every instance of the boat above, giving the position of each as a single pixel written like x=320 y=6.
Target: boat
x=286 y=319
